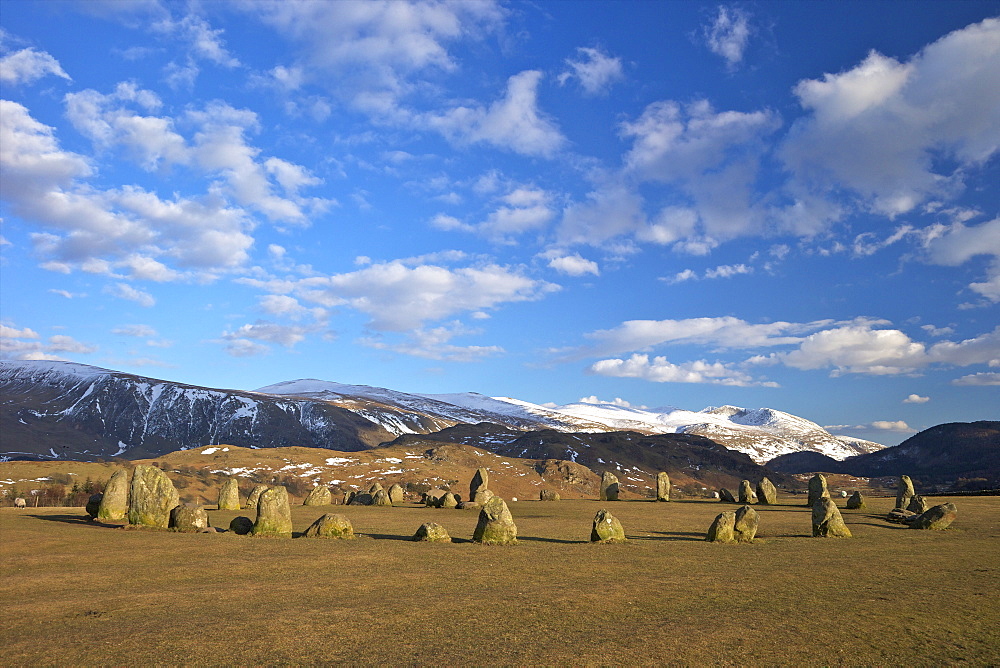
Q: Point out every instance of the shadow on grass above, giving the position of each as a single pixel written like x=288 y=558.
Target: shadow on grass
x=540 y=539
x=75 y=519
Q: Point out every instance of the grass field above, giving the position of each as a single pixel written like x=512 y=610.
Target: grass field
x=76 y=593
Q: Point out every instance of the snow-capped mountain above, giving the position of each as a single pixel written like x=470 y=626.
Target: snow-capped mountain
x=61 y=409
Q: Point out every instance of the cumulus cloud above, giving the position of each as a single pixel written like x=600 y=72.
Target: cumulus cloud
x=29 y=65
x=138 y=331
x=572 y=265
x=956 y=244
x=269 y=332
x=595 y=71
x=26 y=344
x=728 y=34
x=126 y=291
x=892 y=425
x=978 y=379
x=916 y=399
x=611 y=210
x=659 y=370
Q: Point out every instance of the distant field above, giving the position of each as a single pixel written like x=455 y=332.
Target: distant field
x=77 y=593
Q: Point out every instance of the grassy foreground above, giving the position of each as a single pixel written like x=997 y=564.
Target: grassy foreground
x=76 y=593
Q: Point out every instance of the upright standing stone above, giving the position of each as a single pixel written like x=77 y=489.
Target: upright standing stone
x=189 y=517
x=432 y=532
x=151 y=498
x=449 y=501
x=319 y=496
x=904 y=492
x=725 y=496
x=229 y=495
x=826 y=520
x=496 y=524
x=745 y=524
x=746 y=493
x=381 y=498
x=606 y=528
x=374 y=488
x=274 y=516
x=662 y=486
x=481 y=498
x=481 y=480
x=114 y=505
x=817 y=490
x=938 y=517
x=918 y=504
x=856 y=502
x=609 y=487
x=255 y=496
x=767 y=495
x=331 y=525
x=396 y=495
x=721 y=530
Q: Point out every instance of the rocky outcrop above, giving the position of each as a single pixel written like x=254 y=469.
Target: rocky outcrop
x=151 y=497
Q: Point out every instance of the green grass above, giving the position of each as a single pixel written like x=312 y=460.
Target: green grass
x=75 y=593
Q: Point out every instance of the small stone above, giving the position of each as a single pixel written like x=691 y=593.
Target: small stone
x=662 y=486
x=254 y=496
x=609 y=487
x=480 y=480
x=94 y=504
x=721 y=530
x=900 y=515
x=396 y=494
x=331 y=525
x=856 y=502
x=827 y=521
x=917 y=504
x=319 y=496
x=938 y=517
x=496 y=524
x=817 y=490
x=746 y=494
x=448 y=501
x=726 y=496
x=274 y=516
x=241 y=525
x=767 y=495
x=189 y=517
x=548 y=495
x=432 y=532
x=229 y=495
x=151 y=497
x=114 y=504
x=606 y=528
x=745 y=524
x=904 y=491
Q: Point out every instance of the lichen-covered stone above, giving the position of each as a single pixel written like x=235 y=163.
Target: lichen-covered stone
x=606 y=528
x=900 y=515
x=483 y=497
x=241 y=525
x=331 y=525
x=229 y=495
x=746 y=494
x=396 y=494
x=94 y=504
x=189 y=517
x=449 y=501
x=496 y=524
x=374 y=488
x=480 y=480
x=725 y=496
x=662 y=486
x=319 y=496
x=938 y=517
x=274 y=516
x=721 y=530
x=856 y=502
x=826 y=520
x=817 y=490
x=548 y=495
x=432 y=532
x=151 y=497
x=381 y=498
x=609 y=487
x=918 y=504
x=767 y=495
x=745 y=524
x=114 y=504
x=904 y=491
x=254 y=496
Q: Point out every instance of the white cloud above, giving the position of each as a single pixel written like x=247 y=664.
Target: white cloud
x=27 y=66
x=728 y=271
x=9 y=332
x=126 y=291
x=729 y=34
x=26 y=344
x=892 y=425
x=612 y=210
x=573 y=265
x=916 y=399
x=245 y=348
x=978 y=379
x=61 y=343
x=138 y=331
x=270 y=332
x=595 y=71
x=659 y=370
x=958 y=243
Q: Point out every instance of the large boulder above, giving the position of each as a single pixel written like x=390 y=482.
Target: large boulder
x=918 y=504
x=904 y=492
x=94 y=504
x=319 y=496
x=606 y=528
x=767 y=495
x=254 y=496
x=432 y=532
x=396 y=494
x=449 y=501
x=721 y=530
x=746 y=494
x=241 y=525
x=938 y=517
x=745 y=524
x=548 y=495
x=331 y=525
x=609 y=487
x=496 y=524
x=826 y=520
x=360 y=499
x=662 y=486
x=114 y=503
x=274 y=516
x=481 y=480
x=856 y=502
x=381 y=498
x=817 y=490
x=726 y=496
x=151 y=497
x=189 y=517
x=229 y=495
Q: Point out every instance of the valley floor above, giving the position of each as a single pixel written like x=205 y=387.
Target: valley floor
x=77 y=593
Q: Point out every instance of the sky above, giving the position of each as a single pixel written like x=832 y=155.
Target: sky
x=793 y=205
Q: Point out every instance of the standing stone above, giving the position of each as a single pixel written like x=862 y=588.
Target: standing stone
x=381 y=498
x=856 y=502
x=746 y=493
x=114 y=505
x=331 y=525
x=482 y=497
x=360 y=499
x=726 y=496
x=662 y=486
x=826 y=520
x=609 y=487
x=189 y=517
x=918 y=504
x=241 y=525
x=721 y=530
x=94 y=504
x=767 y=495
x=433 y=497
x=319 y=496
x=375 y=488
x=229 y=495
x=151 y=498
x=496 y=524
x=938 y=517
x=449 y=501
x=432 y=532
x=745 y=524
x=817 y=490
x=255 y=496
x=396 y=494
x=904 y=492
x=548 y=495
x=607 y=528
x=274 y=516
x=481 y=480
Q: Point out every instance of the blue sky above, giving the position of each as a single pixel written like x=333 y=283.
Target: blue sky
x=791 y=205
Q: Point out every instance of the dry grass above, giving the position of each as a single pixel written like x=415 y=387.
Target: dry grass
x=74 y=593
